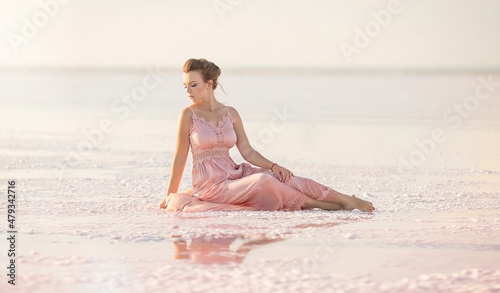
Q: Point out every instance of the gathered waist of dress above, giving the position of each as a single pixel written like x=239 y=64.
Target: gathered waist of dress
x=199 y=156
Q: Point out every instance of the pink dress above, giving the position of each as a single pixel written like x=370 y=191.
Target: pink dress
x=224 y=185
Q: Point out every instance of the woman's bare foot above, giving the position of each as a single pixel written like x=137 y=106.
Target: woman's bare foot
x=352 y=202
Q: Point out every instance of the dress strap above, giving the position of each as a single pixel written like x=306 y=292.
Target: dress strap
x=192 y=111
x=191 y=125
x=231 y=118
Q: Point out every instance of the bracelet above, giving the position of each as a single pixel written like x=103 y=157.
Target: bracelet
x=172 y=190
x=272 y=167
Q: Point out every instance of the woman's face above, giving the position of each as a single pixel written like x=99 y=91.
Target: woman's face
x=196 y=88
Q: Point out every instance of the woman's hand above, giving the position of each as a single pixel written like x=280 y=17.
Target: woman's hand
x=163 y=202
x=282 y=173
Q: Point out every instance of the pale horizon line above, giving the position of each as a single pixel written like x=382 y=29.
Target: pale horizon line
x=251 y=69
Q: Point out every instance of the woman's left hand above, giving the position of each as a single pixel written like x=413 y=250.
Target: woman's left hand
x=283 y=173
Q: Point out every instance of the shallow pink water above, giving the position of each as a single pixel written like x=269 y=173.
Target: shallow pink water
x=95 y=227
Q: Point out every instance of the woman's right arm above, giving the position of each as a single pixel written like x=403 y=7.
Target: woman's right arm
x=181 y=150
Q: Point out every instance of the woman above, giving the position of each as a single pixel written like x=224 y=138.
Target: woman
x=211 y=129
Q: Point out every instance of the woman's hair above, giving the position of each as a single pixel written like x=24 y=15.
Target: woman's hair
x=209 y=71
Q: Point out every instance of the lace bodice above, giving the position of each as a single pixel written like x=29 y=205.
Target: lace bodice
x=207 y=140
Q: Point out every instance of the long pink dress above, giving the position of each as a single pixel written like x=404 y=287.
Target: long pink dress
x=221 y=184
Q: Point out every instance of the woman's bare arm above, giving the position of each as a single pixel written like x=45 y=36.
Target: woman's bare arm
x=246 y=150
x=181 y=150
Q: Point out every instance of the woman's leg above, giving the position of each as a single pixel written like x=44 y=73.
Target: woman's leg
x=325 y=205
x=260 y=190
x=323 y=194
x=342 y=202
x=320 y=194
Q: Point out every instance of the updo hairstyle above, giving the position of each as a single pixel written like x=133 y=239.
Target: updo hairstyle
x=208 y=70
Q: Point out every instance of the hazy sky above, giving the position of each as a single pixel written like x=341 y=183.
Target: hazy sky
x=335 y=34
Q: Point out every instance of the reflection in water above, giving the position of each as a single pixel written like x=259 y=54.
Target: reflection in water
x=228 y=248
x=222 y=249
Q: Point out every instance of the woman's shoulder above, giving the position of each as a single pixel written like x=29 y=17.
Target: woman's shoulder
x=233 y=111
x=185 y=115
x=186 y=111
